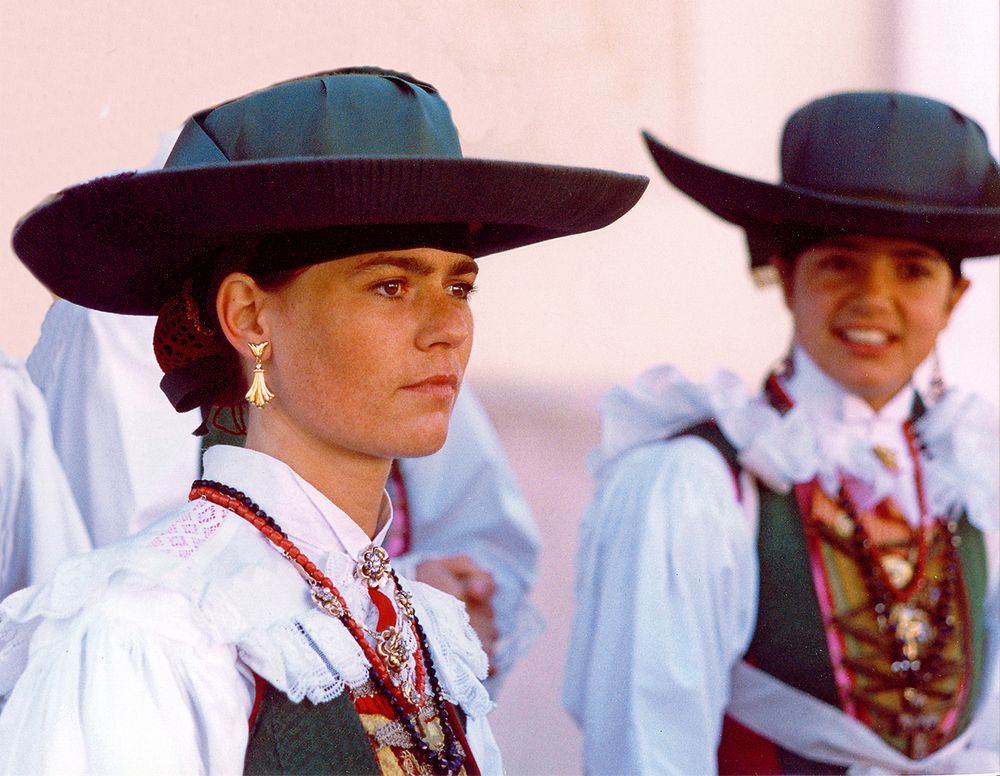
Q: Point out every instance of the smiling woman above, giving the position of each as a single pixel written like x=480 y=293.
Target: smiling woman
x=818 y=554
x=315 y=240
x=869 y=310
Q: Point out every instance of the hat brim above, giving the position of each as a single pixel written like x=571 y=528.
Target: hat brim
x=119 y=243
x=765 y=209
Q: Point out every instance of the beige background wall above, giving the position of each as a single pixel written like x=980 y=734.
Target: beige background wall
x=86 y=87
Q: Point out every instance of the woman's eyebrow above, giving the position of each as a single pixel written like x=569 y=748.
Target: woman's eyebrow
x=405 y=263
x=464 y=267
x=415 y=265
x=918 y=253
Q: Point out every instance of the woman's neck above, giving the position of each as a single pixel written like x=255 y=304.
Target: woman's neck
x=353 y=481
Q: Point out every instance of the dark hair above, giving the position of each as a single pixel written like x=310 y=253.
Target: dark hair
x=201 y=369
x=793 y=240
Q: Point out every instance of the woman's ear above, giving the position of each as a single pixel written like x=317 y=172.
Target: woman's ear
x=784 y=268
x=958 y=290
x=238 y=305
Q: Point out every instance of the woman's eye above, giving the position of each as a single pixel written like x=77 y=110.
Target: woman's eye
x=392 y=289
x=461 y=290
x=836 y=263
x=914 y=270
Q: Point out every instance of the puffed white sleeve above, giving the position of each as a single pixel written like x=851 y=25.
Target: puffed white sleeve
x=464 y=500
x=666 y=604
x=39 y=521
x=129 y=685
x=128 y=456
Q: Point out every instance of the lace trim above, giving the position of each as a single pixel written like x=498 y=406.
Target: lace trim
x=456 y=650
x=959 y=434
x=304 y=653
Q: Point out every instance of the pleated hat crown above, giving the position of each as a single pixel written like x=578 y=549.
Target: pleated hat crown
x=355 y=112
x=894 y=147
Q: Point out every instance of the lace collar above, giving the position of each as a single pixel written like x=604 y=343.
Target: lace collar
x=240 y=591
x=958 y=435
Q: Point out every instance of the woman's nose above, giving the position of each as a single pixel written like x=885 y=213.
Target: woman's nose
x=447 y=322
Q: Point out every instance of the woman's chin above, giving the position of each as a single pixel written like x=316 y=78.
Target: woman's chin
x=421 y=441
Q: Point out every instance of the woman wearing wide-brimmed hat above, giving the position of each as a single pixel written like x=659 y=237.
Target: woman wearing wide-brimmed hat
x=811 y=562
x=311 y=247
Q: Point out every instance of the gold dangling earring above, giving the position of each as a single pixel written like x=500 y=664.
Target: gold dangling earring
x=936 y=389
x=258 y=395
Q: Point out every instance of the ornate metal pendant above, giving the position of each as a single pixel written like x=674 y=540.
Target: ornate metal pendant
x=391 y=648
x=326 y=601
x=405 y=601
x=898 y=569
x=912 y=628
x=373 y=566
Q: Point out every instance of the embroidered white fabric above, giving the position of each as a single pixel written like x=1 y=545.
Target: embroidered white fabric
x=204 y=591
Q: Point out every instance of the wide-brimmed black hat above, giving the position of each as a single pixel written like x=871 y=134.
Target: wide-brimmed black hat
x=359 y=146
x=877 y=163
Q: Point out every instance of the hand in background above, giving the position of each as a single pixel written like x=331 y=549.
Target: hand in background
x=463 y=578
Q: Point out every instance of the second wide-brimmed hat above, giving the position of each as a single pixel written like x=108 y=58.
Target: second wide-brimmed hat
x=876 y=163
x=354 y=147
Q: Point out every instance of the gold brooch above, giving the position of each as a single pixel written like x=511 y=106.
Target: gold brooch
x=373 y=565
x=390 y=647
x=326 y=601
x=887 y=457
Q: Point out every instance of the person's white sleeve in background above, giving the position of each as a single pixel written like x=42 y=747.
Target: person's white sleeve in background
x=666 y=605
x=39 y=521
x=484 y=746
x=128 y=686
x=129 y=457
x=464 y=500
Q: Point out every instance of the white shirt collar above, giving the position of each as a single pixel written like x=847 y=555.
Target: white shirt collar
x=811 y=386
x=306 y=515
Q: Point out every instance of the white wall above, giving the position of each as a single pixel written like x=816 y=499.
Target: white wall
x=956 y=57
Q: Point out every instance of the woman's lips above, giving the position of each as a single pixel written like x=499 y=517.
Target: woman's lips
x=437 y=386
x=865 y=340
x=864 y=336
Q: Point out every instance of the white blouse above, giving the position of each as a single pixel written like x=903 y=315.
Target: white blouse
x=137 y=658
x=39 y=522
x=667 y=566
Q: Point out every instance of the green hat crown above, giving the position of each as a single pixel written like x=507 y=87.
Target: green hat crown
x=888 y=146
x=355 y=112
